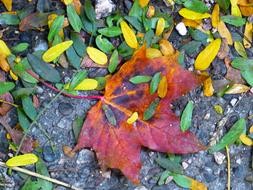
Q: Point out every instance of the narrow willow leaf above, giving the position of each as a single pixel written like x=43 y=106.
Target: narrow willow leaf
x=140 y=79
x=170 y=165
x=240 y=49
x=128 y=35
x=216 y=15
x=233 y=20
x=112 y=31
x=6 y=87
x=55 y=27
x=46 y=71
x=73 y=57
x=87 y=84
x=22 y=160
x=97 y=56
x=155 y=82
x=114 y=61
x=150 y=111
x=186 y=117
x=23 y=120
x=189 y=14
x=77 y=79
x=196 y=5
x=148 y=37
x=90 y=11
x=234 y=133
x=104 y=44
x=55 y=51
x=20 y=47
x=78 y=44
x=109 y=115
x=28 y=107
x=206 y=57
x=133 y=118
x=89 y=27
x=74 y=18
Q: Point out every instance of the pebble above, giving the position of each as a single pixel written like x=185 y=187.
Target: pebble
x=65 y=108
x=239 y=161
x=219 y=157
x=49 y=155
x=181 y=29
x=40 y=45
x=104 y=8
x=233 y=101
x=85 y=156
x=185 y=165
x=140 y=188
x=207 y=116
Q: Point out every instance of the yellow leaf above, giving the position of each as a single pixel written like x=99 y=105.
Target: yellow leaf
x=13 y=76
x=143 y=3
x=192 y=15
x=22 y=160
x=216 y=15
x=237 y=89
x=240 y=49
x=4 y=65
x=235 y=11
x=50 y=21
x=208 y=87
x=247 y=40
x=55 y=51
x=163 y=87
x=97 y=56
x=67 y=2
x=4 y=50
x=87 y=84
x=160 y=26
x=224 y=32
x=196 y=185
x=7 y=4
x=132 y=118
x=251 y=129
x=218 y=109
x=207 y=55
x=246 y=140
x=153 y=53
x=166 y=47
x=151 y=11
x=192 y=23
x=128 y=35
x=246 y=7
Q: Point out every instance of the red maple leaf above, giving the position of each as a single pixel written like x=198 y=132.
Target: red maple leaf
x=119 y=146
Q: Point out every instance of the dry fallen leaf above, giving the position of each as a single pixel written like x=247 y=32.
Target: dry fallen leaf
x=224 y=32
x=237 y=89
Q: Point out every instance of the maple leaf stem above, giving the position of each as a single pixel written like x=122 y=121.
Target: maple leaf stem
x=64 y=93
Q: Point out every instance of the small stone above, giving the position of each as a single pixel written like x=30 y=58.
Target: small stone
x=219 y=157
x=181 y=29
x=39 y=90
x=85 y=156
x=40 y=45
x=104 y=8
x=49 y=155
x=65 y=108
x=107 y=174
x=140 y=188
x=207 y=116
x=185 y=165
x=233 y=101
x=239 y=161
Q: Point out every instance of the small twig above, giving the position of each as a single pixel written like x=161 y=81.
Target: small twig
x=5 y=102
x=229 y=177
x=28 y=172
x=64 y=93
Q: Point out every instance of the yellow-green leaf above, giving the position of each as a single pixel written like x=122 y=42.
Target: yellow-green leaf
x=246 y=140
x=128 y=35
x=240 y=49
x=55 y=51
x=216 y=15
x=166 y=47
x=22 y=160
x=143 y=3
x=206 y=57
x=247 y=40
x=153 y=53
x=192 y=15
x=4 y=50
x=132 y=118
x=224 y=32
x=160 y=26
x=87 y=84
x=97 y=56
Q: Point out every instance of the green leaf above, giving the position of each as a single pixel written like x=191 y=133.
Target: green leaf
x=28 y=107
x=114 y=61
x=136 y=10
x=191 y=47
x=150 y=111
x=20 y=47
x=30 y=185
x=109 y=115
x=163 y=177
x=113 y=18
x=77 y=126
x=234 y=20
x=101 y=83
x=140 y=79
x=170 y=165
x=89 y=26
x=182 y=180
x=104 y=44
x=55 y=27
x=19 y=93
x=74 y=19
x=224 y=4
x=248 y=76
x=78 y=44
x=135 y=23
x=186 y=118
x=42 y=169
x=6 y=87
x=23 y=120
x=155 y=82
x=45 y=70
x=242 y=63
x=198 y=35
x=73 y=58
x=89 y=11
x=196 y=5
x=20 y=70
x=112 y=31
x=148 y=37
x=124 y=50
x=9 y=19
x=234 y=133
x=77 y=79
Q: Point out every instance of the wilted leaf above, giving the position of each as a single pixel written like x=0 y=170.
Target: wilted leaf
x=208 y=87
x=224 y=32
x=186 y=117
x=229 y=138
x=237 y=89
x=192 y=15
x=22 y=160
x=97 y=56
x=129 y=35
x=5 y=108
x=33 y=21
x=206 y=56
x=123 y=98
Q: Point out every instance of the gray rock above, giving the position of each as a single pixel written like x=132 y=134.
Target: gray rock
x=65 y=108
x=49 y=155
x=104 y=8
x=40 y=45
x=219 y=157
x=85 y=156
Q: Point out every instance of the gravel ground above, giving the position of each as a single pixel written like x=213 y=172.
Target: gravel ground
x=83 y=170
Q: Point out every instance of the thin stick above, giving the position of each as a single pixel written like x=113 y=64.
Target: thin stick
x=28 y=172
x=229 y=177
x=5 y=102
x=63 y=93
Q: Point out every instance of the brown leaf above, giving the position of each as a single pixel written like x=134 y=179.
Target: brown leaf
x=233 y=74
x=33 y=21
x=5 y=108
x=224 y=49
